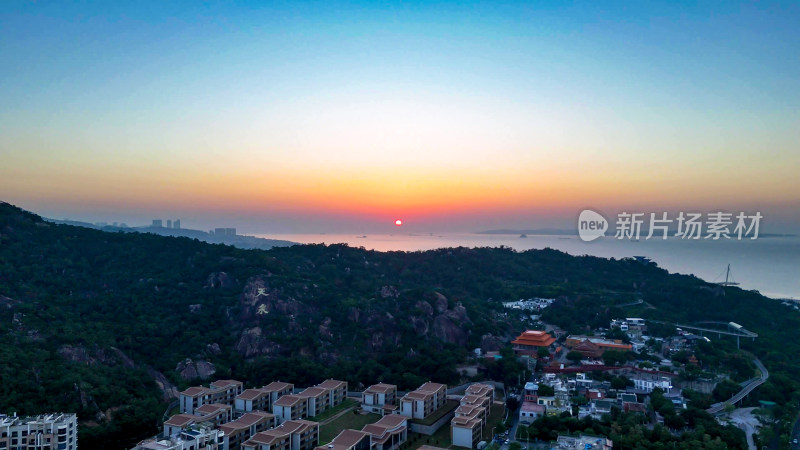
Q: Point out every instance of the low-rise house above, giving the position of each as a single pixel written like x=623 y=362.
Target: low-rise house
x=317 y=400
x=290 y=407
x=645 y=382
x=530 y=411
x=380 y=399
x=388 y=433
x=220 y=391
x=240 y=430
x=466 y=431
x=594 y=394
x=290 y=435
x=423 y=401
x=599 y=407
x=476 y=400
x=193 y=438
x=482 y=390
x=349 y=440
x=261 y=399
x=338 y=391
x=213 y=414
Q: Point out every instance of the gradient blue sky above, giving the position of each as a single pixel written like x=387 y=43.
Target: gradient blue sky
x=336 y=116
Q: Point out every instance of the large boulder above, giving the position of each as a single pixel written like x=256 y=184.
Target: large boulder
x=190 y=370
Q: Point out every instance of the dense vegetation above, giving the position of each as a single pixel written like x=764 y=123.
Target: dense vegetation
x=89 y=320
x=630 y=430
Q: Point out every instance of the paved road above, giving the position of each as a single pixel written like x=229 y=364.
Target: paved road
x=743 y=418
x=795 y=434
x=719 y=407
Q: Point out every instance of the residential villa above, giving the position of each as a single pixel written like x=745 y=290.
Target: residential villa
x=466 y=428
x=423 y=401
x=380 y=399
x=482 y=390
x=192 y=438
x=529 y=342
x=338 y=391
x=290 y=407
x=290 y=435
x=214 y=414
x=388 y=433
x=317 y=400
x=220 y=391
x=243 y=428
x=349 y=440
x=261 y=399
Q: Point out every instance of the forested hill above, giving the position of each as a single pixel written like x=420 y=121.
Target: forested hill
x=111 y=324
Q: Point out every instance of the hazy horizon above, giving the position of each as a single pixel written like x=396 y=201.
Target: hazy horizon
x=342 y=117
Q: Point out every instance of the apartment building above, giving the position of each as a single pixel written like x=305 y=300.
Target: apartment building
x=380 y=399
x=481 y=390
x=261 y=399
x=290 y=435
x=214 y=414
x=44 y=432
x=246 y=426
x=466 y=431
x=423 y=401
x=389 y=433
x=220 y=391
x=192 y=438
x=338 y=391
x=349 y=440
x=317 y=399
x=290 y=407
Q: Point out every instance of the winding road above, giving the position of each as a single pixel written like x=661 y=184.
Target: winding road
x=720 y=407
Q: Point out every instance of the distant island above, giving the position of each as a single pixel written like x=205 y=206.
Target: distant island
x=228 y=238
x=548 y=231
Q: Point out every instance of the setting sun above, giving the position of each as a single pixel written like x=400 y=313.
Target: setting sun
x=398 y=222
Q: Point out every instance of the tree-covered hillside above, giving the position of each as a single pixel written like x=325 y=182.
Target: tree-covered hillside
x=110 y=324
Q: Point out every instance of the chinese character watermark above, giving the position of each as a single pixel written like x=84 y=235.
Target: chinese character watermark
x=633 y=225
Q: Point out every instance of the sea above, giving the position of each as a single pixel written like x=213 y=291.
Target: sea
x=770 y=265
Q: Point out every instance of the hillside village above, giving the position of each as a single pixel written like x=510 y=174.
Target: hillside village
x=580 y=376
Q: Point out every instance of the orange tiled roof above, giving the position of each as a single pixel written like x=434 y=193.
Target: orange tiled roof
x=534 y=338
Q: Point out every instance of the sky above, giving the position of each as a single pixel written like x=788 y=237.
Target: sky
x=278 y=117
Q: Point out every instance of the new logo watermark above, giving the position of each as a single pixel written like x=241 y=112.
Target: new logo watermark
x=591 y=225
x=714 y=225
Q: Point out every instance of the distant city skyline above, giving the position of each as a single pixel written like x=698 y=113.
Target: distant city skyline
x=451 y=116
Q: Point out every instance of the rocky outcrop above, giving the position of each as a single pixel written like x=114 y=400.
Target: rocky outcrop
x=388 y=292
x=8 y=302
x=168 y=390
x=190 y=370
x=213 y=349
x=491 y=343
x=107 y=357
x=252 y=344
x=325 y=329
x=220 y=280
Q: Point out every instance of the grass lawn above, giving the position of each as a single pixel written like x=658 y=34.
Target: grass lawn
x=329 y=431
x=439 y=439
x=496 y=416
x=347 y=403
x=448 y=406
